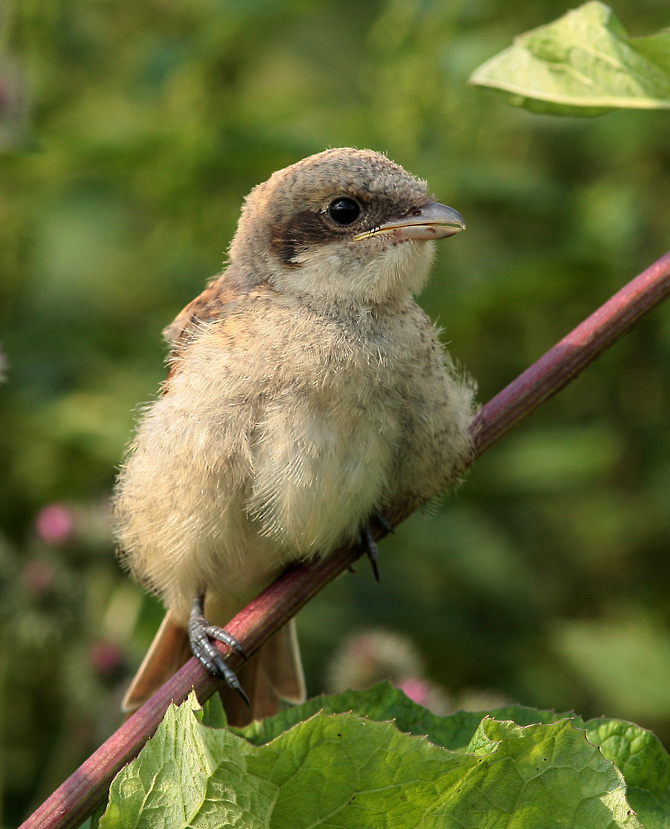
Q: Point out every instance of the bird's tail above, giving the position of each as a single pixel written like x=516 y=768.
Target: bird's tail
x=272 y=674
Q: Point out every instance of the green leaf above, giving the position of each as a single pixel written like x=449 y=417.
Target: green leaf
x=384 y=702
x=564 y=782
x=644 y=763
x=343 y=771
x=189 y=775
x=582 y=64
x=347 y=770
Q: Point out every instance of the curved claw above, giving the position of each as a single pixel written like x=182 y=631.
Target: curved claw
x=369 y=546
x=367 y=541
x=383 y=522
x=200 y=634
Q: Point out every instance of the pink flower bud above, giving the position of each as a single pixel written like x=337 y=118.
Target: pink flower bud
x=55 y=524
x=106 y=658
x=416 y=689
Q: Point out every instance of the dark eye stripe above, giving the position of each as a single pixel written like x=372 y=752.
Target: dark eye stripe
x=292 y=235
x=296 y=234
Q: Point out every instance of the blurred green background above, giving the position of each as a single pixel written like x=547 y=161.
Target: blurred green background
x=129 y=134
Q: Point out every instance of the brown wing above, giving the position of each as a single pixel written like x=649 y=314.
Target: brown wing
x=210 y=305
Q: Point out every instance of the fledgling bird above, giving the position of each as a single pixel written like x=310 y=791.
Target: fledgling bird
x=307 y=394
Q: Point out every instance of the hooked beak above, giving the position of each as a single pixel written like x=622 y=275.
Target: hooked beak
x=432 y=221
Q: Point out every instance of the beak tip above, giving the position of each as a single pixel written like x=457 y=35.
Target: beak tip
x=449 y=221
x=431 y=222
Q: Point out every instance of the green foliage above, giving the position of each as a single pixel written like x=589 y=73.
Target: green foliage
x=130 y=134
x=330 y=763
x=583 y=64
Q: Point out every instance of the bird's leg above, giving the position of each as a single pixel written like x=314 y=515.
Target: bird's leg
x=367 y=542
x=200 y=632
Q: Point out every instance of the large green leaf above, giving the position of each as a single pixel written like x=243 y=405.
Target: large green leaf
x=582 y=64
x=384 y=702
x=644 y=764
x=189 y=775
x=319 y=765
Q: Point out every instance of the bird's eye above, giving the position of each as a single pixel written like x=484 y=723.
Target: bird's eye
x=344 y=211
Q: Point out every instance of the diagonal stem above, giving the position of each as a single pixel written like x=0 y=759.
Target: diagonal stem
x=571 y=355
x=69 y=806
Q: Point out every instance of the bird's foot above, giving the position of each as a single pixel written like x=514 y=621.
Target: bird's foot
x=200 y=634
x=367 y=542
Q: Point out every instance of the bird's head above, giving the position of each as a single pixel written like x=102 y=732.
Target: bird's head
x=344 y=225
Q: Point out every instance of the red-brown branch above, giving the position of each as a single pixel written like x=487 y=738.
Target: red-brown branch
x=86 y=788
x=572 y=354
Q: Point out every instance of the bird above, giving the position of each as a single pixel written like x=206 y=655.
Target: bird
x=307 y=395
